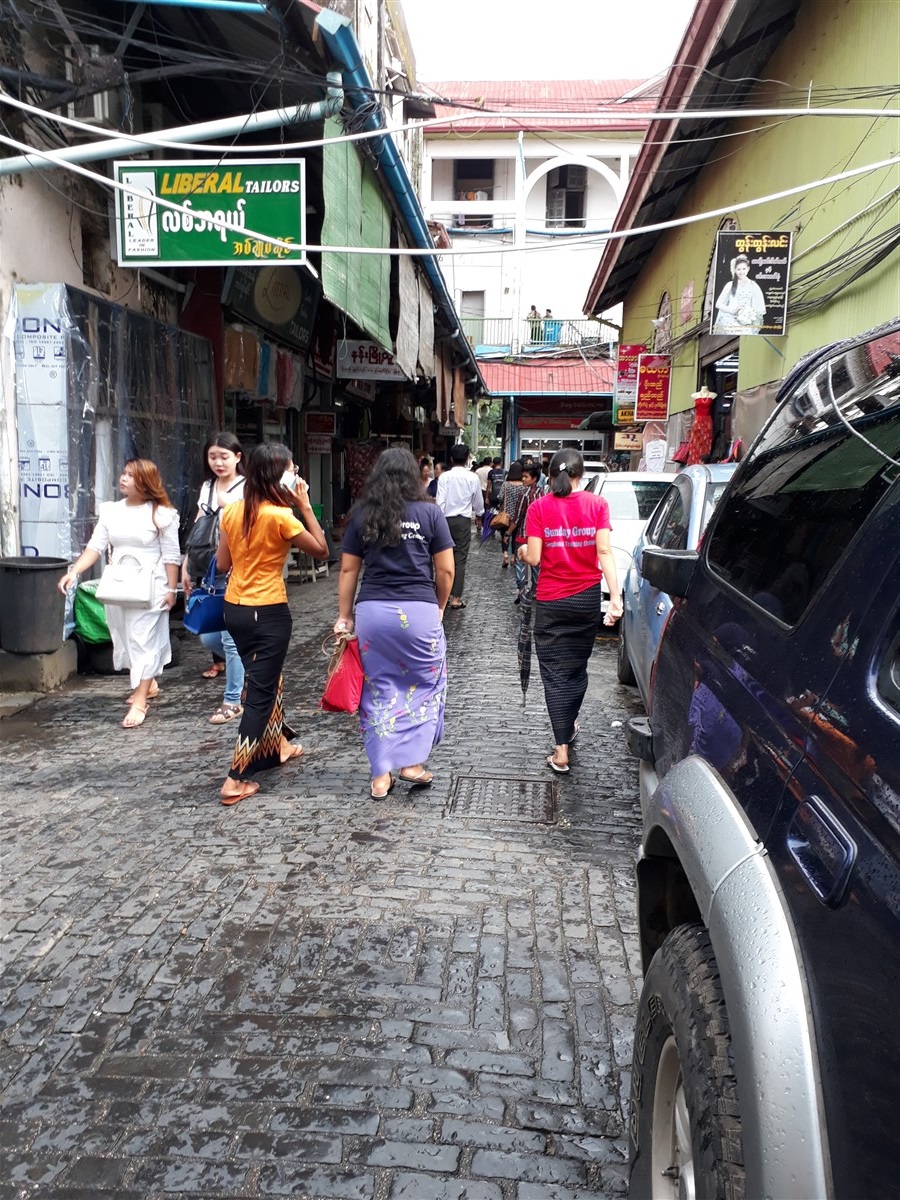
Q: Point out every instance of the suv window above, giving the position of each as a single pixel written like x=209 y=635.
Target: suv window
x=810 y=481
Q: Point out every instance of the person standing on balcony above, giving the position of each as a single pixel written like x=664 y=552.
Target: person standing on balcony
x=534 y=325
x=459 y=498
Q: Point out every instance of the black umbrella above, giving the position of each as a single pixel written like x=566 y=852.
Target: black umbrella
x=486 y=531
x=523 y=645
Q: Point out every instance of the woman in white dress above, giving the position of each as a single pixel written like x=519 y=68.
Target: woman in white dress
x=142 y=526
x=741 y=306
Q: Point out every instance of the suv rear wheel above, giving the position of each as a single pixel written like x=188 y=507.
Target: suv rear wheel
x=685 y=1124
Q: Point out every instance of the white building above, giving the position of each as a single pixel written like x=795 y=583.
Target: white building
x=543 y=187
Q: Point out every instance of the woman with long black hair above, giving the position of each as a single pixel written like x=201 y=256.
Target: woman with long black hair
x=567 y=535
x=407 y=548
x=224 y=484
x=256 y=535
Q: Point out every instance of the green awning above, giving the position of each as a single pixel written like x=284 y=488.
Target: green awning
x=356 y=214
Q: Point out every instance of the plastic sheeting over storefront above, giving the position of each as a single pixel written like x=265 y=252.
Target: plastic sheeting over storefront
x=97 y=384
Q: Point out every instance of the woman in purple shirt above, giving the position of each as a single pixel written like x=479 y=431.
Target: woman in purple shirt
x=405 y=543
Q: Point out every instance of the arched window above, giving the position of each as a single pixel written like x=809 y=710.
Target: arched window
x=662 y=326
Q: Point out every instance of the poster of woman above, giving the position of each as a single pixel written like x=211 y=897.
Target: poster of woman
x=751 y=282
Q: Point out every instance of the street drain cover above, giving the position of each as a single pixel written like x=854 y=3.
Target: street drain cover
x=502 y=798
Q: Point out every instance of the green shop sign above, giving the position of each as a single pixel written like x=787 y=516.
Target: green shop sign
x=226 y=212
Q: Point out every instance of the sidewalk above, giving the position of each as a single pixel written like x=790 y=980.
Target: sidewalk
x=312 y=994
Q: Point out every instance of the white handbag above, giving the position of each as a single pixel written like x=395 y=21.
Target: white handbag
x=127 y=584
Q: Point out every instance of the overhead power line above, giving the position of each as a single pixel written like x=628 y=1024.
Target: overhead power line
x=416 y=252
x=155 y=141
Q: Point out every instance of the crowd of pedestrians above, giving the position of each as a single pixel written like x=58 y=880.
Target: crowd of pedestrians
x=403 y=566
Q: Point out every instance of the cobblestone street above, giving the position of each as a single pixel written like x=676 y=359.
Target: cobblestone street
x=312 y=994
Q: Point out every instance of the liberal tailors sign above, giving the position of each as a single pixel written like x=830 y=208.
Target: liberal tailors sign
x=226 y=212
x=750 y=283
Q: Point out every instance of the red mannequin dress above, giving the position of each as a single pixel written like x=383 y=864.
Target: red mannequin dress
x=702 y=429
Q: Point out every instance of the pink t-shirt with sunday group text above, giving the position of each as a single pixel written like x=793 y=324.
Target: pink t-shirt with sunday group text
x=567 y=526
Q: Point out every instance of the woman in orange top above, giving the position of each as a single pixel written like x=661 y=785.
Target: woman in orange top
x=255 y=536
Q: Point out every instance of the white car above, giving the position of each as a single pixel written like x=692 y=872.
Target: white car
x=632 y=496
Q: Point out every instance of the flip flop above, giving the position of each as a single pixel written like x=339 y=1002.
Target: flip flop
x=423 y=779
x=574 y=736
x=213 y=671
x=249 y=789
x=296 y=752
x=381 y=795
x=559 y=768
x=461 y=604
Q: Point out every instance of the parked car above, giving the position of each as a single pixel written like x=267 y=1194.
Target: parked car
x=632 y=497
x=677 y=523
x=767 y=1044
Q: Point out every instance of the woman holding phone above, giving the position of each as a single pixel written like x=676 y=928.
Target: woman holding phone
x=256 y=536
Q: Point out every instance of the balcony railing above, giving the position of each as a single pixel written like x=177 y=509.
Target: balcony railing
x=525 y=337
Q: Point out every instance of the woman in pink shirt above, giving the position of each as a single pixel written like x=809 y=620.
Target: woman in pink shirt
x=567 y=534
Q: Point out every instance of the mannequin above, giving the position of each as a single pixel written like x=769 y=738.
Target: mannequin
x=702 y=429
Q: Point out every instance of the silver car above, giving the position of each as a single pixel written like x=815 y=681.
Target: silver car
x=677 y=524
x=632 y=496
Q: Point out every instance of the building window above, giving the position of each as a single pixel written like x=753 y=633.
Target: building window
x=473 y=179
x=566 y=188
x=662 y=326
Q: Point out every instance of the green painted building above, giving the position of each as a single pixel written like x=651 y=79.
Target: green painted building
x=844 y=277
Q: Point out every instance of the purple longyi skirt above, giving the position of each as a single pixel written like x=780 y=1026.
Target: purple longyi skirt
x=404 y=656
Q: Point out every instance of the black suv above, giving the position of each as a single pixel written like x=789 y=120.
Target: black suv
x=766 y=1047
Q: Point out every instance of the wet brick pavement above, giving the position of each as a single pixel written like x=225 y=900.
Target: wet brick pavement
x=311 y=994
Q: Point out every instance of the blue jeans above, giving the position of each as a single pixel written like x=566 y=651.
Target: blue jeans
x=223 y=645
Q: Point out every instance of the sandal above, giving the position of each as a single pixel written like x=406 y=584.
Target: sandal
x=151 y=695
x=225 y=713
x=459 y=604
x=574 y=736
x=422 y=778
x=213 y=671
x=381 y=795
x=559 y=768
x=296 y=752
x=131 y=721
x=229 y=798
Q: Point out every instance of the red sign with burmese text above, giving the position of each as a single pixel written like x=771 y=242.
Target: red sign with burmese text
x=654 y=377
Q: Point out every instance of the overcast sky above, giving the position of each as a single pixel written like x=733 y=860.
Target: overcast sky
x=544 y=39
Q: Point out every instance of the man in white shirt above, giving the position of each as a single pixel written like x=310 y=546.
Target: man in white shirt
x=459 y=498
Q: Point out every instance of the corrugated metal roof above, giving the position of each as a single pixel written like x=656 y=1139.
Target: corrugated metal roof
x=548 y=377
x=536 y=95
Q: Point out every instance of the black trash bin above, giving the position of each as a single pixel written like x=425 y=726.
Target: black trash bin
x=32 y=608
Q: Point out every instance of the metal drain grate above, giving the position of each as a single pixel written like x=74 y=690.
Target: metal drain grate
x=501 y=798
